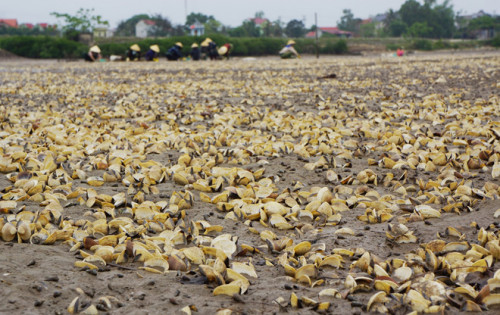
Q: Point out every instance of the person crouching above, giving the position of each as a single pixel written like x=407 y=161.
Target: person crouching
x=94 y=54
x=153 y=53
x=195 y=52
x=289 y=51
x=134 y=53
x=225 y=51
x=174 y=52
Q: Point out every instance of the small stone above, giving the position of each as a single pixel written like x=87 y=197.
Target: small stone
x=141 y=296
x=52 y=278
x=173 y=301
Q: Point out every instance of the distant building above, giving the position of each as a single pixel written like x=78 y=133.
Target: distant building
x=8 y=23
x=379 y=20
x=102 y=31
x=259 y=21
x=476 y=15
x=335 y=31
x=485 y=33
x=366 y=21
x=143 y=27
x=28 y=25
x=197 y=29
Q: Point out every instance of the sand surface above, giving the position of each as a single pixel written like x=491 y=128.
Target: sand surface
x=42 y=279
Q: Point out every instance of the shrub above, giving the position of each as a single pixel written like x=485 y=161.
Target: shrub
x=340 y=47
x=42 y=47
x=440 y=44
x=54 y=47
x=422 y=44
x=392 y=46
x=495 y=42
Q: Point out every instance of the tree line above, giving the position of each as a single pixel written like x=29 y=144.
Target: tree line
x=248 y=28
x=415 y=19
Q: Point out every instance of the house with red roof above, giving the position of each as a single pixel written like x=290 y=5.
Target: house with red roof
x=28 y=25
x=143 y=27
x=196 y=29
x=8 y=23
x=335 y=31
x=259 y=23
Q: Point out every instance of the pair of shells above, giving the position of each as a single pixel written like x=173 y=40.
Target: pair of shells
x=11 y=230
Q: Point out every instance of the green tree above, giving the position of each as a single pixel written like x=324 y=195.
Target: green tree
x=348 y=22
x=259 y=14
x=295 y=28
x=265 y=28
x=212 y=26
x=210 y=23
x=469 y=28
x=368 y=30
x=251 y=28
x=439 y=18
x=178 y=30
x=163 y=27
x=390 y=17
x=246 y=29
x=127 y=27
x=200 y=17
x=411 y=12
x=419 y=29
x=237 y=32
x=84 y=21
x=397 y=28
x=484 y=22
x=276 y=28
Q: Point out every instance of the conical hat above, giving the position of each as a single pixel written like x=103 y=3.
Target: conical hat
x=95 y=49
x=222 y=50
x=155 y=48
x=135 y=47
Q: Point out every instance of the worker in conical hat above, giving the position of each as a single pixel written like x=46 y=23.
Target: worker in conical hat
x=212 y=50
x=175 y=52
x=153 y=53
x=195 y=51
x=225 y=50
x=94 y=54
x=204 y=48
x=289 y=51
x=134 y=53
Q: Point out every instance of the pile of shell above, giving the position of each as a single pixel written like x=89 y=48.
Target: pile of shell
x=406 y=162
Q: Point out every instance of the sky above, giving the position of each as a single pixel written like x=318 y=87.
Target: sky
x=228 y=12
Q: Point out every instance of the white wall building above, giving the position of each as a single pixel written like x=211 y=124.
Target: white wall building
x=142 y=28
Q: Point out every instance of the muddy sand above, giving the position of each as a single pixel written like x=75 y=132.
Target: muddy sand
x=255 y=100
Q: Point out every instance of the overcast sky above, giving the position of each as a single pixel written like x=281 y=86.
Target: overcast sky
x=229 y=12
